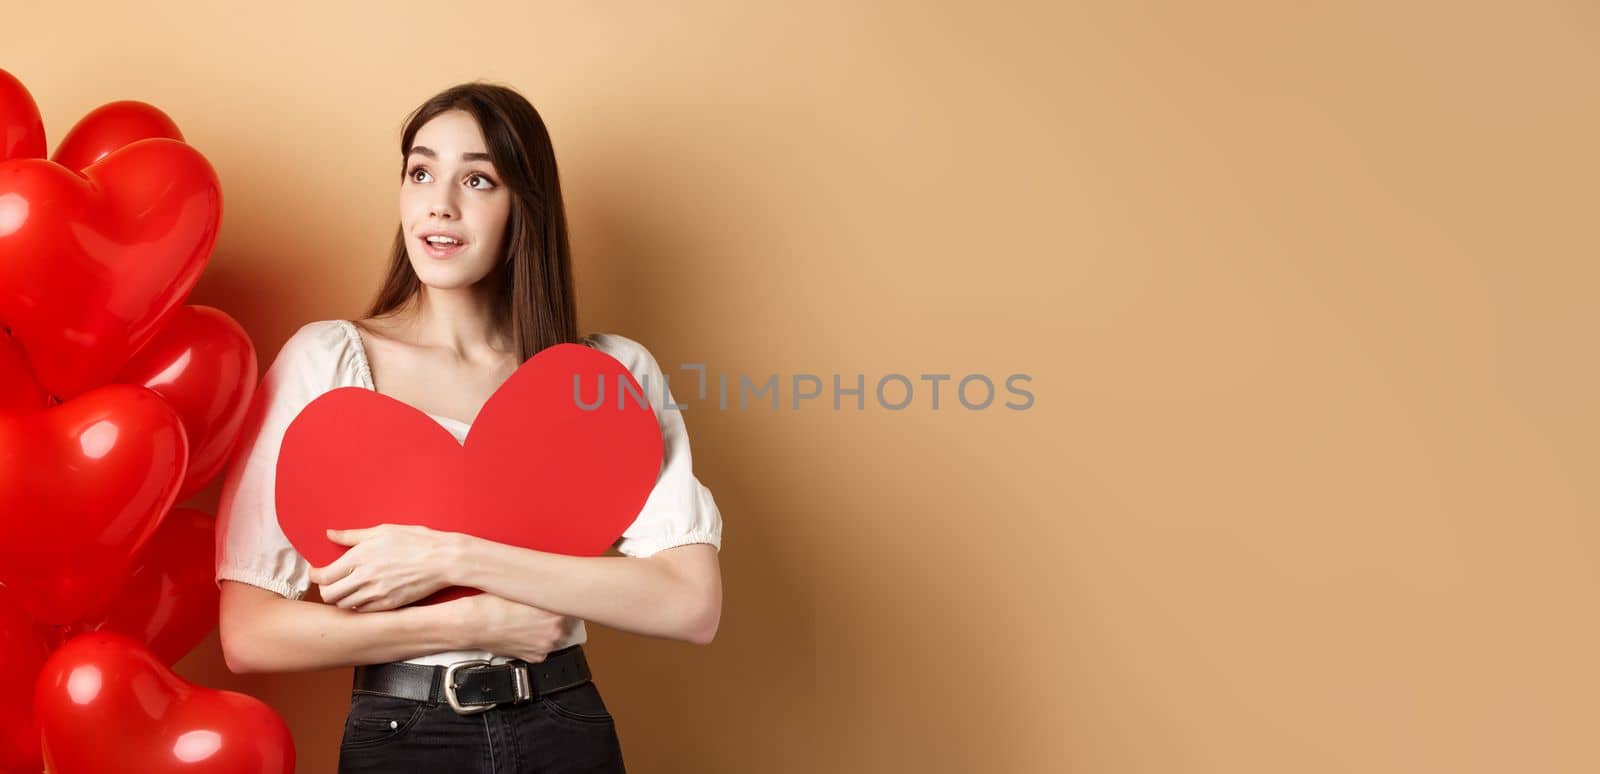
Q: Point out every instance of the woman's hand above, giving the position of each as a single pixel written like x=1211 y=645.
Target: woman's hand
x=507 y=628
x=387 y=566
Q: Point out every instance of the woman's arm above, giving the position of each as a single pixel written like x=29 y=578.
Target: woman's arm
x=264 y=632
x=675 y=593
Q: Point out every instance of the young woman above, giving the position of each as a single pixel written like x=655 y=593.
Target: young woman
x=479 y=281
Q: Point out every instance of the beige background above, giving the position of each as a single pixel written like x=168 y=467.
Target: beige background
x=1305 y=296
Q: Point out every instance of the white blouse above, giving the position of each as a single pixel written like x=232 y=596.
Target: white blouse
x=327 y=354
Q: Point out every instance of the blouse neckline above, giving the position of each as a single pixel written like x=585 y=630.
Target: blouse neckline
x=366 y=372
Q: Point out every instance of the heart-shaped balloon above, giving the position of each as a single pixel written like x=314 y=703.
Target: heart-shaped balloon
x=19 y=391
x=83 y=486
x=21 y=128
x=109 y=127
x=203 y=364
x=169 y=602
x=23 y=649
x=91 y=263
x=536 y=470
x=105 y=704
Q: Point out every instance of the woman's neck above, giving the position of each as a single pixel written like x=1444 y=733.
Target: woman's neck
x=458 y=319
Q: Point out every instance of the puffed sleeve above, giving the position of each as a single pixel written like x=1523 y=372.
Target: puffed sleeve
x=251 y=546
x=679 y=510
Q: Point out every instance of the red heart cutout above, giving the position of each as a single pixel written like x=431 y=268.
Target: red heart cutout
x=536 y=470
x=21 y=128
x=105 y=703
x=83 y=485
x=91 y=263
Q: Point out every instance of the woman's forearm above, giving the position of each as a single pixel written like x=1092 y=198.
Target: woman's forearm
x=644 y=596
x=263 y=632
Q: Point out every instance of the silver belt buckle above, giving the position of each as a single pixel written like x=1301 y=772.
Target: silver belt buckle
x=519 y=677
x=450 y=687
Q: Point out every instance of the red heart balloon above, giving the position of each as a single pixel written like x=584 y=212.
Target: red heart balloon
x=169 y=602
x=109 y=127
x=91 y=263
x=83 y=486
x=19 y=391
x=23 y=650
x=107 y=704
x=21 y=128
x=203 y=364
x=536 y=469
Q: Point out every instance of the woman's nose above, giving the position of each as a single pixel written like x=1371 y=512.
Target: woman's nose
x=441 y=206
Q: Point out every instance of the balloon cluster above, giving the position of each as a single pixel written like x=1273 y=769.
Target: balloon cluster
x=117 y=401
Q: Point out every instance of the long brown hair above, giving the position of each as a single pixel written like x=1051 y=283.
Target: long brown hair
x=534 y=300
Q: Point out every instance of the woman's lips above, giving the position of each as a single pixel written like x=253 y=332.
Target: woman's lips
x=442 y=251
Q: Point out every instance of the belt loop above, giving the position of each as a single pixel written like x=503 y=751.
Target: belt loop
x=522 y=681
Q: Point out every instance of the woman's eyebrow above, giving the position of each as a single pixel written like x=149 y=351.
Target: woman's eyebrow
x=426 y=151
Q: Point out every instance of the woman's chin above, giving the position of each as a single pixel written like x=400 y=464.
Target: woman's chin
x=451 y=282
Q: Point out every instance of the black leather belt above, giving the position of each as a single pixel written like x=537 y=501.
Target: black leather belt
x=476 y=685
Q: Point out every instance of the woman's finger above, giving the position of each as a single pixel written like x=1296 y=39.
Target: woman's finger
x=339 y=589
x=359 y=598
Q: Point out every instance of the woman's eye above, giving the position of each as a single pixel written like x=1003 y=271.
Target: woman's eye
x=487 y=183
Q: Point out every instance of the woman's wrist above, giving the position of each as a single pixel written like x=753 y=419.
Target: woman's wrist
x=456 y=548
x=446 y=621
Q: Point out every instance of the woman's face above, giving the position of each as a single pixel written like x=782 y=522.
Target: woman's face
x=452 y=191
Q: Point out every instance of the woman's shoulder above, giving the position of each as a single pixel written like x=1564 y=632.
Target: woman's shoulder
x=633 y=356
x=328 y=346
x=320 y=337
x=624 y=349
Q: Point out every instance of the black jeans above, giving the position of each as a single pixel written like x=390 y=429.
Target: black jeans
x=561 y=733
